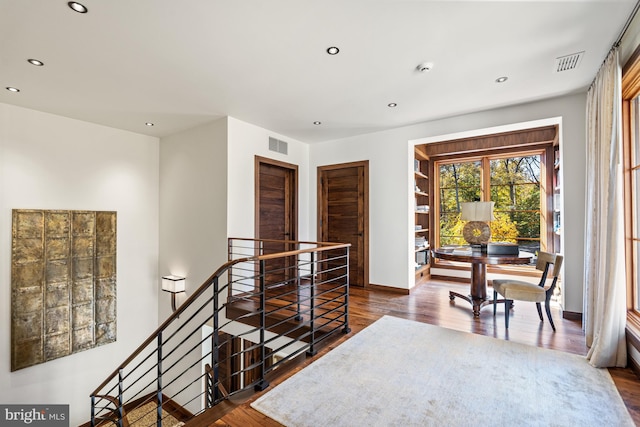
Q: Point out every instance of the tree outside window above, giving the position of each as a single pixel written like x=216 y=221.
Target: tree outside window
x=513 y=183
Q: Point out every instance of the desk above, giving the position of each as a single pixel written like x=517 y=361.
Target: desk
x=479 y=261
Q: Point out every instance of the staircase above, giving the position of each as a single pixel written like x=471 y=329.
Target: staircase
x=272 y=302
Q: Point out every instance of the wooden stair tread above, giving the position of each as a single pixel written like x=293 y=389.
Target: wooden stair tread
x=280 y=322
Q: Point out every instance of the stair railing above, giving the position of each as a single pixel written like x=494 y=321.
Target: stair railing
x=270 y=303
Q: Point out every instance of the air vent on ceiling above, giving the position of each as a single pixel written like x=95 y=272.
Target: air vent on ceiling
x=568 y=62
x=277 y=145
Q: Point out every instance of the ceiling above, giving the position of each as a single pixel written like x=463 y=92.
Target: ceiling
x=178 y=64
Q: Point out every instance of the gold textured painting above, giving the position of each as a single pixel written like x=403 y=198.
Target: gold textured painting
x=63 y=283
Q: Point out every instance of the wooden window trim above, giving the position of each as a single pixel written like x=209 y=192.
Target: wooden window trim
x=546 y=177
x=630 y=89
x=539 y=141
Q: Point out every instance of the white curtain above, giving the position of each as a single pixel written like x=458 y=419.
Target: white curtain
x=605 y=286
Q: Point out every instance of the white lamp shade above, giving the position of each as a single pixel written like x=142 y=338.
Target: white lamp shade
x=173 y=284
x=476 y=211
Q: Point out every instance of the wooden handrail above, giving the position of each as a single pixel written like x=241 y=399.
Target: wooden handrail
x=205 y=285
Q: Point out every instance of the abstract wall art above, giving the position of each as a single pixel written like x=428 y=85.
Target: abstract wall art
x=63 y=283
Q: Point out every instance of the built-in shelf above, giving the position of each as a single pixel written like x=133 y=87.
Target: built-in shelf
x=422 y=269
x=422 y=214
x=557 y=201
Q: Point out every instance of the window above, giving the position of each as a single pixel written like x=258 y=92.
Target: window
x=515 y=189
x=631 y=133
x=631 y=127
x=634 y=171
x=458 y=182
x=512 y=181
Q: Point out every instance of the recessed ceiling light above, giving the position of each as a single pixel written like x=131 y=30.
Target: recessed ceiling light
x=80 y=8
x=502 y=79
x=333 y=50
x=35 y=62
x=317 y=123
x=12 y=89
x=150 y=124
x=392 y=104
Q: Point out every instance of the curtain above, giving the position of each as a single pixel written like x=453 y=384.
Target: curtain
x=605 y=286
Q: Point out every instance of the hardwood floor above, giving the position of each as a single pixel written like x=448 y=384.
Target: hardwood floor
x=429 y=303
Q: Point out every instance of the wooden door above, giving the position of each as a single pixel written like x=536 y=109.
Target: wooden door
x=343 y=212
x=276 y=186
x=229 y=362
x=252 y=357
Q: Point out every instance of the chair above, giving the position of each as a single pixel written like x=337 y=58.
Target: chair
x=524 y=291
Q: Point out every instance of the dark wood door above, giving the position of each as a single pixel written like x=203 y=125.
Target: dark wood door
x=276 y=211
x=229 y=362
x=343 y=212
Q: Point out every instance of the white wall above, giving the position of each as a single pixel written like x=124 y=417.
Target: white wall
x=389 y=166
x=193 y=212
x=388 y=200
x=52 y=162
x=245 y=142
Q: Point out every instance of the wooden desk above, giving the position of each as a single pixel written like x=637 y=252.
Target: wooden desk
x=479 y=260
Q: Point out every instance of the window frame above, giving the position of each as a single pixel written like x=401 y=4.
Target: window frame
x=485 y=187
x=630 y=90
x=538 y=140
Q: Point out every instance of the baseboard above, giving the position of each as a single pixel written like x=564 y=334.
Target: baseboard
x=390 y=289
x=634 y=366
x=571 y=315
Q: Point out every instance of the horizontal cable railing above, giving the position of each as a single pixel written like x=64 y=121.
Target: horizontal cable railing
x=271 y=302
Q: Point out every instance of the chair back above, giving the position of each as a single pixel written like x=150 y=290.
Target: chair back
x=544 y=260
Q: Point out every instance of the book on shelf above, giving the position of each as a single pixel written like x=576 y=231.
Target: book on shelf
x=422 y=243
x=422 y=258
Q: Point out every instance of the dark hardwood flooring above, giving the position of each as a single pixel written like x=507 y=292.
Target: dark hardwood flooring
x=429 y=303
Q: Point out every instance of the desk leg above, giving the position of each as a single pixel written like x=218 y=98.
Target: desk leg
x=478 y=287
x=479 y=281
x=478 y=297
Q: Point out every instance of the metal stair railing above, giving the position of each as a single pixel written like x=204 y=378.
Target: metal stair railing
x=271 y=302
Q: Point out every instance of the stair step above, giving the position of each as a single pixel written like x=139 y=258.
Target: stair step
x=280 y=322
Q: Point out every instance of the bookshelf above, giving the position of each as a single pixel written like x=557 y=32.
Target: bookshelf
x=422 y=209
x=557 y=200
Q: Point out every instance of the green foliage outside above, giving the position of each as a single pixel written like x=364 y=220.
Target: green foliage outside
x=502 y=230
x=514 y=187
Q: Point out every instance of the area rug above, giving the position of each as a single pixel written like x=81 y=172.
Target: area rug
x=398 y=372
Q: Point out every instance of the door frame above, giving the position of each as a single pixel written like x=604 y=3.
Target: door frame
x=293 y=170
x=365 y=199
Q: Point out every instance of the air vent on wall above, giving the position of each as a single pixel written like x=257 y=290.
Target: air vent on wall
x=277 y=145
x=568 y=62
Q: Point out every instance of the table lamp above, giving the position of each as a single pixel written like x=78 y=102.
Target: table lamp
x=476 y=231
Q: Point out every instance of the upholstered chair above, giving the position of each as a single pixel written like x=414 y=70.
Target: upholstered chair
x=524 y=291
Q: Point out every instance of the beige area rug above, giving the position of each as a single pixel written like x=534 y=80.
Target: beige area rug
x=398 y=372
